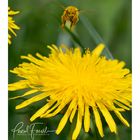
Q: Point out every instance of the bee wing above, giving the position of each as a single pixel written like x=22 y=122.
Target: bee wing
x=91 y=11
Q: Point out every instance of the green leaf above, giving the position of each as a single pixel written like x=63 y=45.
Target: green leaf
x=95 y=36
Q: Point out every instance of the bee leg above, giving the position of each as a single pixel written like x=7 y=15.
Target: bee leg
x=63 y=25
x=72 y=23
x=63 y=22
x=75 y=19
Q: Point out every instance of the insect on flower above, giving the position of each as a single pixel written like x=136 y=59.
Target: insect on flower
x=71 y=14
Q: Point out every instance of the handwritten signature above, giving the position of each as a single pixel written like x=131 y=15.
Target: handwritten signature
x=32 y=130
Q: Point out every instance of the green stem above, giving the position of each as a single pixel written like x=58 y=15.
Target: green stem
x=75 y=38
x=117 y=136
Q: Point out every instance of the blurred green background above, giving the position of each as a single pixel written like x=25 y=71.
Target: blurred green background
x=40 y=23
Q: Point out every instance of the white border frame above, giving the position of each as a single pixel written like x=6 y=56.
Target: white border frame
x=3 y=70
x=136 y=69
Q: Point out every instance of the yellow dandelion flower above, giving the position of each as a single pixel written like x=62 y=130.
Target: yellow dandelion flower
x=84 y=84
x=11 y=24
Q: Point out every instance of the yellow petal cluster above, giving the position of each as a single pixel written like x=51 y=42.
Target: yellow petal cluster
x=11 y=24
x=83 y=84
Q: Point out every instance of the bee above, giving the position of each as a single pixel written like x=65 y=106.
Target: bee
x=71 y=14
